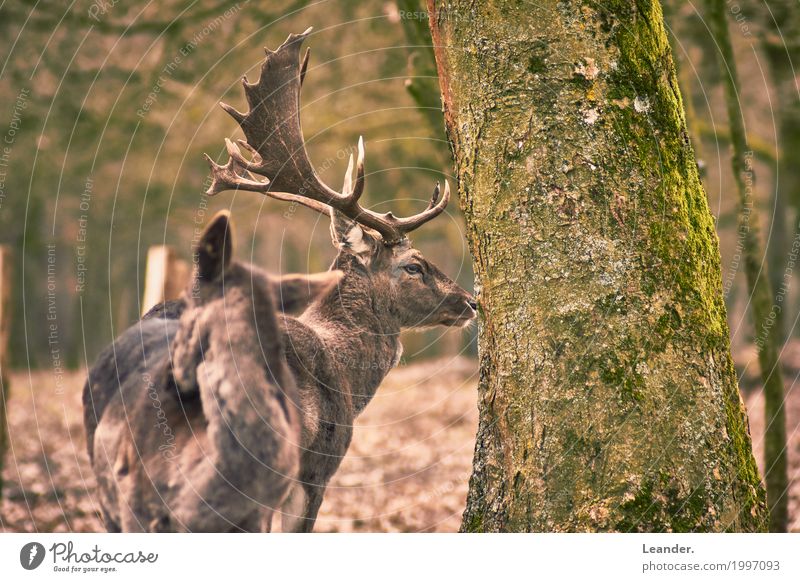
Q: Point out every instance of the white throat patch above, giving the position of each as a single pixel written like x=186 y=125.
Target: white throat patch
x=397 y=355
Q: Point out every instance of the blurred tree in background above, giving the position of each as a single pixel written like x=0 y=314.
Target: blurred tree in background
x=761 y=129
x=113 y=106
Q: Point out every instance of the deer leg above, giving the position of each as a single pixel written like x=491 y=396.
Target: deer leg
x=294 y=509
x=314 y=494
x=266 y=520
x=111 y=525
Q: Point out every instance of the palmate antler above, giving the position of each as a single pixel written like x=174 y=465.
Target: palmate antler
x=278 y=152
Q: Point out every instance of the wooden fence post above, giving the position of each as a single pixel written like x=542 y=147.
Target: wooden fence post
x=165 y=278
x=5 y=325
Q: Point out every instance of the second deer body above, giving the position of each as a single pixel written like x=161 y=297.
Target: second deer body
x=193 y=424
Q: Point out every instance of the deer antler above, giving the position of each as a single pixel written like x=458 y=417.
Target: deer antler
x=278 y=153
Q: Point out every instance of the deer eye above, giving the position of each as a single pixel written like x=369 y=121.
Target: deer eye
x=413 y=269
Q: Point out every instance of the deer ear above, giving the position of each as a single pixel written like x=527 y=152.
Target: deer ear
x=348 y=234
x=215 y=249
x=340 y=225
x=293 y=293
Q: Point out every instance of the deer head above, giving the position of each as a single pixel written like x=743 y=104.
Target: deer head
x=373 y=247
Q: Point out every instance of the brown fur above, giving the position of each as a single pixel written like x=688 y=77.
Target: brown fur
x=342 y=347
x=220 y=450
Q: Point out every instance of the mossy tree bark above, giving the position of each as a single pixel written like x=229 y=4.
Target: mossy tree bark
x=767 y=329
x=608 y=398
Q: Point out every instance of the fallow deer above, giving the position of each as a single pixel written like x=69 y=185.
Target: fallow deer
x=193 y=424
x=343 y=345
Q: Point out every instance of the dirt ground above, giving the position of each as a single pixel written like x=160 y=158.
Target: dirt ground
x=406 y=471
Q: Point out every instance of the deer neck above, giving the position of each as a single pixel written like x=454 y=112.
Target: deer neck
x=361 y=330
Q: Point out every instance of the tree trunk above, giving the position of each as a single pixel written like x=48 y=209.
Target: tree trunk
x=767 y=327
x=608 y=398
x=781 y=44
x=6 y=283
x=780 y=41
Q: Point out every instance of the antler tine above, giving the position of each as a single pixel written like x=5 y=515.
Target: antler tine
x=304 y=66
x=256 y=156
x=434 y=209
x=232 y=176
x=347 y=187
x=359 y=187
x=232 y=111
x=236 y=155
x=277 y=151
x=434 y=196
x=352 y=192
